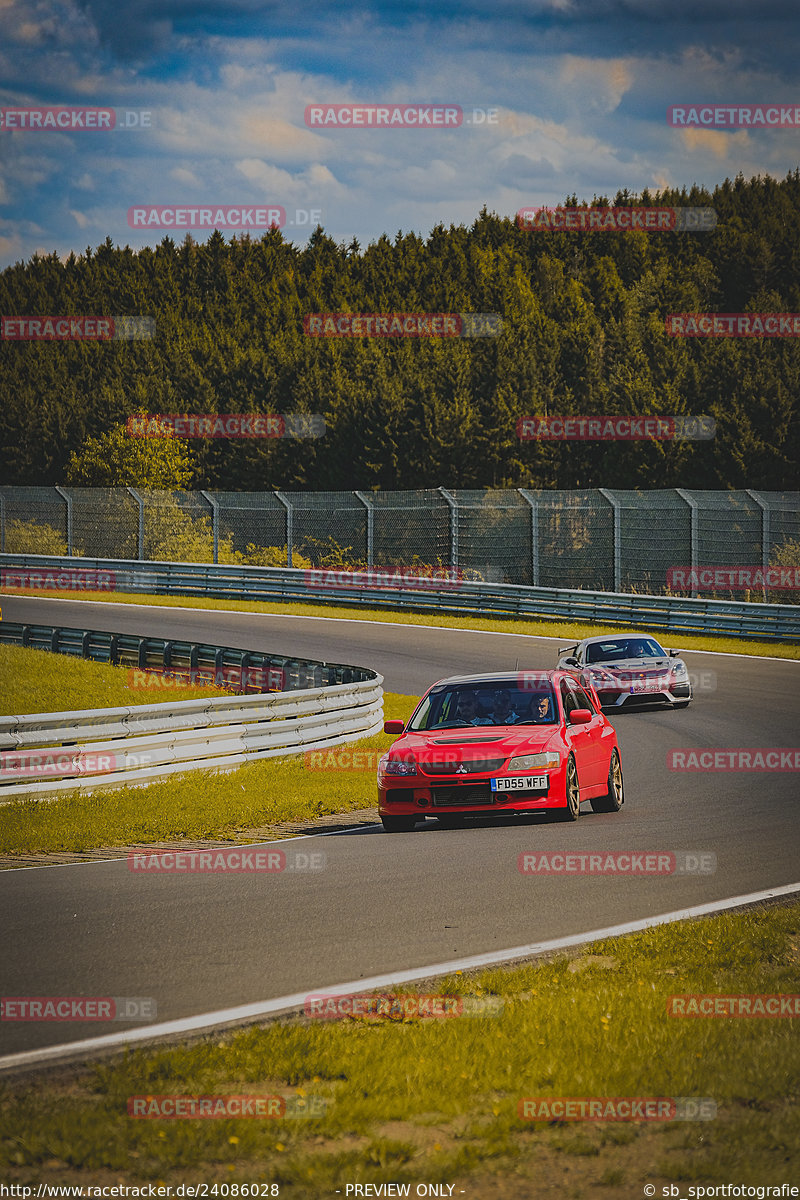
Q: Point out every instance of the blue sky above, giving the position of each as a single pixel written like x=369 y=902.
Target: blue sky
x=581 y=89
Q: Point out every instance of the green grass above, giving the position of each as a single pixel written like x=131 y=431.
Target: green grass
x=432 y=1100
x=34 y=681
x=200 y=804
x=562 y=630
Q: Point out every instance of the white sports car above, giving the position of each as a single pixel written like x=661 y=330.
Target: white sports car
x=629 y=669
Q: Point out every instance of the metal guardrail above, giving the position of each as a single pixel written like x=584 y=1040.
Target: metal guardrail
x=763 y=622
x=44 y=755
x=241 y=671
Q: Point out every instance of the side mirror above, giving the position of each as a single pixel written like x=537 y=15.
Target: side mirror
x=580 y=716
x=572 y=661
x=393 y=726
x=674 y=653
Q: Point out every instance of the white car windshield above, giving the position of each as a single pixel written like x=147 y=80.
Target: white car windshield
x=618 y=649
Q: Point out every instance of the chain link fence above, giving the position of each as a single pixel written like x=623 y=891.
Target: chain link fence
x=598 y=540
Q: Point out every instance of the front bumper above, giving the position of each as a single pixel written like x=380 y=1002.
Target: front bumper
x=617 y=697
x=422 y=797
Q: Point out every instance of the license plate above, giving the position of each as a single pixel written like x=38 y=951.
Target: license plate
x=521 y=783
x=646 y=685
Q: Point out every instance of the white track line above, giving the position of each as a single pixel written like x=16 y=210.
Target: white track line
x=542 y=637
x=283 y=1004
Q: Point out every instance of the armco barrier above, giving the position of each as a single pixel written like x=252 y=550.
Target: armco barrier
x=242 y=671
x=763 y=622
x=44 y=755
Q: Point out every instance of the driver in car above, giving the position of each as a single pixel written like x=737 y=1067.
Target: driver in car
x=467 y=710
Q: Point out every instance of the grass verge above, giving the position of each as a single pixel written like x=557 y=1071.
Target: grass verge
x=437 y=1100
x=200 y=804
x=35 y=681
x=565 y=631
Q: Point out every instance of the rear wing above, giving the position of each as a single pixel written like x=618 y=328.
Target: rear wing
x=564 y=649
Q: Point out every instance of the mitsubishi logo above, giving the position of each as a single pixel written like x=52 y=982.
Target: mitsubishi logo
x=461 y=769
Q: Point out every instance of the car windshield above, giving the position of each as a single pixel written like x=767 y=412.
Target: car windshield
x=498 y=703
x=617 y=649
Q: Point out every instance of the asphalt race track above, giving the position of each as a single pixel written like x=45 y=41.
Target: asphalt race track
x=199 y=943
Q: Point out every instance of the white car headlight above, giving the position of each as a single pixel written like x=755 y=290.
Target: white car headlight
x=398 y=766
x=679 y=668
x=525 y=762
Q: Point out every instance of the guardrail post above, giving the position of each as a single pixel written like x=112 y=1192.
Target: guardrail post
x=453 y=503
x=534 y=507
x=289 y=526
x=2 y=524
x=133 y=492
x=615 y=504
x=694 y=508
x=68 y=501
x=214 y=521
x=370 y=526
x=766 y=535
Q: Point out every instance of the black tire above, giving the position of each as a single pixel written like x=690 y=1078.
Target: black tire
x=615 y=796
x=398 y=824
x=451 y=820
x=573 y=807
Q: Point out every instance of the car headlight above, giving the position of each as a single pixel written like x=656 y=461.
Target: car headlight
x=679 y=668
x=550 y=758
x=598 y=676
x=398 y=766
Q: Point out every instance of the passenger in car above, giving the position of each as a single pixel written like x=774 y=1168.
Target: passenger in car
x=503 y=713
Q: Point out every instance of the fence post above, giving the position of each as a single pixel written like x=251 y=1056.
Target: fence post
x=534 y=507
x=2 y=523
x=214 y=520
x=370 y=526
x=140 y=502
x=615 y=504
x=289 y=526
x=453 y=526
x=68 y=501
x=766 y=534
x=693 y=506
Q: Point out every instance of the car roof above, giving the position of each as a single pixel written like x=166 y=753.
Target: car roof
x=502 y=676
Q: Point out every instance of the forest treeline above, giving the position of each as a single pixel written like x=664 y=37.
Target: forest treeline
x=584 y=333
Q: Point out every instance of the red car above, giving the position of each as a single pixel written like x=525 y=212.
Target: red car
x=501 y=743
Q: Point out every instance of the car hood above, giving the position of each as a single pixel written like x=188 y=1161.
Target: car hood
x=628 y=665
x=477 y=743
